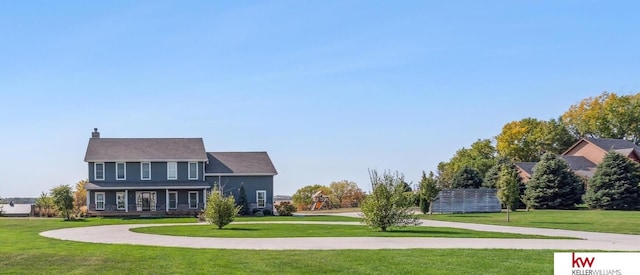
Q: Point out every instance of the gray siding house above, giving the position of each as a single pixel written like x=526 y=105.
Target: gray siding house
x=169 y=176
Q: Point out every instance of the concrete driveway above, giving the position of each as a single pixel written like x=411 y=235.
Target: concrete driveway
x=120 y=234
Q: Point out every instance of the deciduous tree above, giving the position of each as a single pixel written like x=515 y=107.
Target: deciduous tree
x=45 y=204
x=429 y=190
x=480 y=156
x=508 y=188
x=63 y=199
x=614 y=184
x=80 y=198
x=388 y=205
x=605 y=116
x=221 y=210
x=527 y=139
x=302 y=199
x=343 y=193
x=553 y=185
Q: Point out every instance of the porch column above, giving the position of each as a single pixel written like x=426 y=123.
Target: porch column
x=126 y=200
x=166 y=196
x=88 y=199
x=204 y=199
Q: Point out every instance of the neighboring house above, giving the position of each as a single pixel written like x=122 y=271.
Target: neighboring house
x=16 y=210
x=584 y=156
x=158 y=176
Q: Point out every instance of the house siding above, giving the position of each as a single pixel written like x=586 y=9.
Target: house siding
x=587 y=150
x=231 y=186
x=158 y=172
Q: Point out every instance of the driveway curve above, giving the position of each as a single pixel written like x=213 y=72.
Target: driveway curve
x=120 y=234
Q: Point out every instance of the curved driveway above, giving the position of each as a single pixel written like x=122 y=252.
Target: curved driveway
x=120 y=234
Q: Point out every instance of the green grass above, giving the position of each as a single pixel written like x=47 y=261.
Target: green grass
x=313 y=218
x=625 y=222
x=322 y=230
x=23 y=251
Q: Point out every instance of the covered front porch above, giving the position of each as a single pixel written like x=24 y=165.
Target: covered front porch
x=146 y=201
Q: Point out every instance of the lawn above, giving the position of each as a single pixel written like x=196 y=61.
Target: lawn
x=625 y=222
x=23 y=251
x=321 y=230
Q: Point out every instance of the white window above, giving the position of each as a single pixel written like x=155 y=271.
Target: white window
x=173 y=200
x=193 y=170
x=172 y=170
x=261 y=198
x=98 y=171
x=121 y=170
x=145 y=170
x=120 y=200
x=99 y=200
x=193 y=199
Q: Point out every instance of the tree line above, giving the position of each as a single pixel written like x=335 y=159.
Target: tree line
x=64 y=201
x=489 y=163
x=342 y=194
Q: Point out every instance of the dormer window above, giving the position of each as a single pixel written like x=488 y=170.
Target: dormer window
x=98 y=171
x=121 y=170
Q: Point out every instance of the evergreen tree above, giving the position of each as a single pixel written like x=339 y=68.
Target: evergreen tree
x=553 y=185
x=466 y=177
x=492 y=175
x=615 y=184
x=428 y=192
x=242 y=201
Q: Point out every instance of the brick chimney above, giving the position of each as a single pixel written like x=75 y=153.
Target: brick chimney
x=95 y=133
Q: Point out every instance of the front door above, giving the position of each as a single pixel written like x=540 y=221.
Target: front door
x=146 y=201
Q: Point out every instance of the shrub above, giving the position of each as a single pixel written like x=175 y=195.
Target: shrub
x=258 y=213
x=388 y=205
x=286 y=209
x=221 y=210
x=267 y=212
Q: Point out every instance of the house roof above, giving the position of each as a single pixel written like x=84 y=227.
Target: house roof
x=146 y=185
x=580 y=165
x=609 y=144
x=526 y=166
x=145 y=149
x=240 y=163
x=16 y=209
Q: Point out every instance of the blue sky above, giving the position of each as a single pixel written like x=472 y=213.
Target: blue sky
x=328 y=88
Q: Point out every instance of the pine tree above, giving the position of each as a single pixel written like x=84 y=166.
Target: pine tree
x=492 y=175
x=553 y=185
x=242 y=201
x=615 y=184
x=466 y=177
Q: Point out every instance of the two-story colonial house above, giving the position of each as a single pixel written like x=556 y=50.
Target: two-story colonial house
x=169 y=176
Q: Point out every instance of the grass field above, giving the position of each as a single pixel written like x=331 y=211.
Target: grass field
x=625 y=222
x=23 y=251
x=322 y=230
